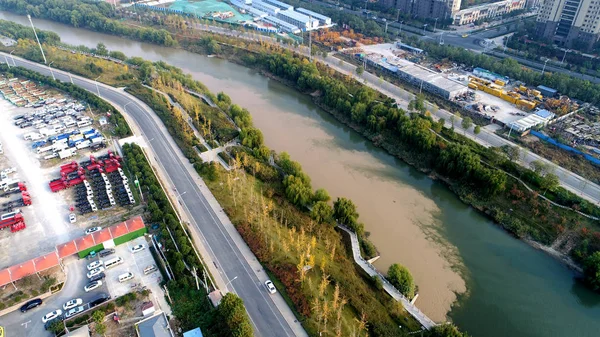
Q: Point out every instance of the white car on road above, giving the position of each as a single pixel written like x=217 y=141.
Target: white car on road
x=137 y=248
x=270 y=287
x=92 y=285
x=51 y=315
x=95 y=272
x=95 y=265
x=92 y=230
x=72 y=303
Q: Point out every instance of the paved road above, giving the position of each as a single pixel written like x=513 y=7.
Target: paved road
x=268 y=321
x=29 y=324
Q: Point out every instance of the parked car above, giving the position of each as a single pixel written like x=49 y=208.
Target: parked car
x=92 y=230
x=98 y=277
x=74 y=311
x=95 y=264
x=270 y=287
x=137 y=248
x=92 y=285
x=72 y=304
x=95 y=272
x=72 y=218
x=52 y=315
x=31 y=304
x=101 y=298
x=106 y=252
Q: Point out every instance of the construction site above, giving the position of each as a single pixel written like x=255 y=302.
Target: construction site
x=481 y=93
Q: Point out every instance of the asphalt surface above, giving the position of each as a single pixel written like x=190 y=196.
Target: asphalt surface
x=17 y=324
x=266 y=318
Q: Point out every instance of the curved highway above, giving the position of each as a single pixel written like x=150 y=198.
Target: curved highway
x=267 y=319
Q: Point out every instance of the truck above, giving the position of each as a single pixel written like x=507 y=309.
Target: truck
x=81 y=124
x=83 y=145
x=15 y=222
x=66 y=153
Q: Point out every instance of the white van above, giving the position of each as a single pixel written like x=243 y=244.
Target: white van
x=150 y=269
x=113 y=262
x=125 y=277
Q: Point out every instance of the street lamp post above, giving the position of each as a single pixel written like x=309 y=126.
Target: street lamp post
x=442 y=38
x=400 y=29
x=544 y=68
x=97 y=88
x=12 y=57
x=51 y=72
x=505 y=43
x=6 y=59
x=229 y=283
x=37 y=39
x=565 y=55
x=424 y=26
x=435 y=25
x=125 y=106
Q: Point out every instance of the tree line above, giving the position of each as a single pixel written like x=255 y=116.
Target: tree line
x=98 y=16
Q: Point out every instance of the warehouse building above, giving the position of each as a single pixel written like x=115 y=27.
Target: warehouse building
x=323 y=20
x=423 y=78
x=298 y=19
x=283 y=26
x=265 y=7
x=283 y=6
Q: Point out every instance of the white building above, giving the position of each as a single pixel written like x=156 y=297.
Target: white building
x=283 y=26
x=265 y=7
x=298 y=19
x=487 y=11
x=323 y=20
x=279 y=4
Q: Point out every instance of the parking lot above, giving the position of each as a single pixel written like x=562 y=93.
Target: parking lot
x=28 y=324
x=135 y=264
x=35 y=155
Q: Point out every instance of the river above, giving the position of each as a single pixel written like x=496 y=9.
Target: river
x=505 y=287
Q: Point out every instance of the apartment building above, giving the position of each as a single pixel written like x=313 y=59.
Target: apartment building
x=487 y=11
x=426 y=9
x=570 y=23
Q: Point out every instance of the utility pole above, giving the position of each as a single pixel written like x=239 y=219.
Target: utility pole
x=386 y=24
x=37 y=39
x=309 y=38
x=435 y=25
x=196 y=277
x=544 y=68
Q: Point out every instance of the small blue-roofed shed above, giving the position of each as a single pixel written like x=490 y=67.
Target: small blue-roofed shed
x=193 y=333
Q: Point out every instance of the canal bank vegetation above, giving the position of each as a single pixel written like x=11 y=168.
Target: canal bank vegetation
x=488 y=179
x=98 y=16
x=270 y=205
x=190 y=305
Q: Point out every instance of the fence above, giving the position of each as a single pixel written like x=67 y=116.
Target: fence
x=552 y=141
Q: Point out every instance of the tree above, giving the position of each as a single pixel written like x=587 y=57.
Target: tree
x=232 y=317
x=549 y=182
x=321 y=195
x=445 y=330
x=360 y=70
x=512 y=152
x=466 y=123
x=477 y=130
x=321 y=212
x=101 y=49
x=344 y=211
x=57 y=327
x=539 y=167
x=401 y=278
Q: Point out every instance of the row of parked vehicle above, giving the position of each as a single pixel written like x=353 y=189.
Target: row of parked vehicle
x=54 y=114
x=69 y=309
